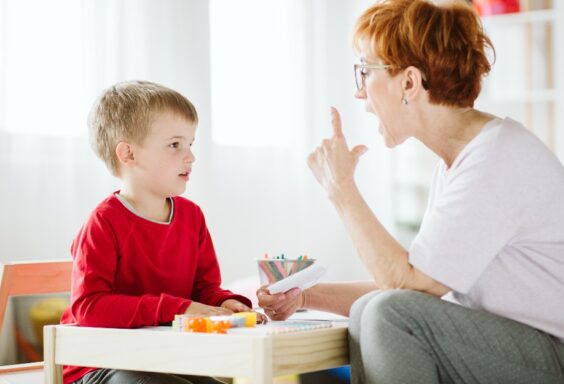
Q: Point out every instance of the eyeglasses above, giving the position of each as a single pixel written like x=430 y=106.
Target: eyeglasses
x=360 y=72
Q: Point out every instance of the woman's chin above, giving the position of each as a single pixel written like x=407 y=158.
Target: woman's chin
x=388 y=142
x=381 y=129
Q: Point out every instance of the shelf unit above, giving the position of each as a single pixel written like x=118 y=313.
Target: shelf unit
x=526 y=84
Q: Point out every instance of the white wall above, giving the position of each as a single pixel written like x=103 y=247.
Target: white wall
x=256 y=200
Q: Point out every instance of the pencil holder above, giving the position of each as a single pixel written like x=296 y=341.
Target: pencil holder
x=272 y=270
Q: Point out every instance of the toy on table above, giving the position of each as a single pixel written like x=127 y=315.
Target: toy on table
x=213 y=324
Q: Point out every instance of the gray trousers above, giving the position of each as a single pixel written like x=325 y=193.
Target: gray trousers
x=117 y=376
x=402 y=336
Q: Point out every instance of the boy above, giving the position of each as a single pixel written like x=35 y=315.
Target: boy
x=144 y=254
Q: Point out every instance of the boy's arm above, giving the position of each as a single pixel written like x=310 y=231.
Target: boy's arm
x=93 y=301
x=207 y=283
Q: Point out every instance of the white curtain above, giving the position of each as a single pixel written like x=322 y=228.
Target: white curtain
x=258 y=196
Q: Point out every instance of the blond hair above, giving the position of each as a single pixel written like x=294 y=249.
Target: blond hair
x=124 y=112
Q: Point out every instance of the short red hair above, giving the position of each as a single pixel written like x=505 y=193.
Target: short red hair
x=447 y=43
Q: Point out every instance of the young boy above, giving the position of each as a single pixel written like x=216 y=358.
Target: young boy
x=144 y=254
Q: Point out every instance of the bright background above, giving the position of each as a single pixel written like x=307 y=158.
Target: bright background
x=262 y=75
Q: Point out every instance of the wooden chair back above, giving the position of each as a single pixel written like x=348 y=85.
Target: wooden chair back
x=31 y=278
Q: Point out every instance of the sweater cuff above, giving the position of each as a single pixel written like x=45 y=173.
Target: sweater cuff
x=170 y=306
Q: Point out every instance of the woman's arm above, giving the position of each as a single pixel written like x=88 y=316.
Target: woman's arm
x=383 y=256
x=333 y=165
x=330 y=297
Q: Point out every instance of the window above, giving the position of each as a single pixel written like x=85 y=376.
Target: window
x=256 y=72
x=41 y=67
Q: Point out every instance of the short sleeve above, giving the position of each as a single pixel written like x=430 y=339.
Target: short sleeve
x=471 y=220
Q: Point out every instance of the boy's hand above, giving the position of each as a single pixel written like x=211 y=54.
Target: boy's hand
x=280 y=306
x=237 y=306
x=196 y=308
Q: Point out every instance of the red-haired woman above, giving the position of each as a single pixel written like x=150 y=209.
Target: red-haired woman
x=479 y=296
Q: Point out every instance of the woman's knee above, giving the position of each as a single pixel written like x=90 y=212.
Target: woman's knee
x=393 y=304
x=360 y=303
x=355 y=313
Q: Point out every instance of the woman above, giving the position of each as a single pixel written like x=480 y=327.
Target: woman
x=491 y=241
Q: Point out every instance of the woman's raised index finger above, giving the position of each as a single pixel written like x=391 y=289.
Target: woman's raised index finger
x=336 y=122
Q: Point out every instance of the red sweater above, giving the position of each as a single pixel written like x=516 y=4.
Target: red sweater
x=131 y=272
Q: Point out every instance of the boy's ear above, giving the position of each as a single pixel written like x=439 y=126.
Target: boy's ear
x=124 y=153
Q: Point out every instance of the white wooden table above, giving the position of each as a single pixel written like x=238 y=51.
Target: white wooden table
x=256 y=356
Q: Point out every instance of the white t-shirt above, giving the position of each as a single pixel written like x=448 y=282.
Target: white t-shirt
x=494 y=228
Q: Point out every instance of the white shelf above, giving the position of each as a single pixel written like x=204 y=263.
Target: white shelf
x=540 y=16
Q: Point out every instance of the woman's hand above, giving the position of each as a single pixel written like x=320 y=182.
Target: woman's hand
x=236 y=306
x=332 y=163
x=281 y=305
x=196 y=308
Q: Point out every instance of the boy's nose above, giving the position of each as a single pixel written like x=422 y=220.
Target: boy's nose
x=190 y=158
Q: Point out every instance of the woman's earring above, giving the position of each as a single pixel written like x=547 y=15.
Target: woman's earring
x=404 y=101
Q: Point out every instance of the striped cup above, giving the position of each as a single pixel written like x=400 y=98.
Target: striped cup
x=272 y=270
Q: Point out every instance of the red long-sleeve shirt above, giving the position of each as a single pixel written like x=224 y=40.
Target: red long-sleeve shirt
x=131 y=272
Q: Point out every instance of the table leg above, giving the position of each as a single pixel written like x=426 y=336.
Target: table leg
x=53 y=372
x=262 y=369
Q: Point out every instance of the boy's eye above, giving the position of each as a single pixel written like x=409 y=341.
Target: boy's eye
x=364 y=72
x=176 y=144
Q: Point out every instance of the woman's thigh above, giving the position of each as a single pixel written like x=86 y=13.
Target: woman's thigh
x=407 y=332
